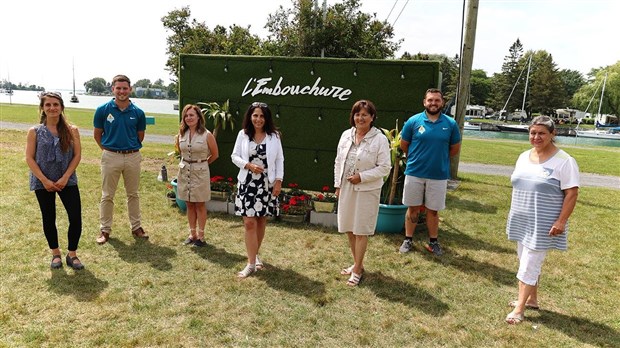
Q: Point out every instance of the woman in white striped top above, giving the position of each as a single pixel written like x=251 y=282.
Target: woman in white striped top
x=545 y=186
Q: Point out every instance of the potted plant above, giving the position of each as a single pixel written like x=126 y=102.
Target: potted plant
x=221 y=188
x=219 y=114
x=392 y=212
x=325 y=201
x=294 y=204
x=170 y=195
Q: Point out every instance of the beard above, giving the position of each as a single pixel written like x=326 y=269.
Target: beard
x=432 y=110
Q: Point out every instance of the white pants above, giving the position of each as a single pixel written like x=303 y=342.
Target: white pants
x=530 y=264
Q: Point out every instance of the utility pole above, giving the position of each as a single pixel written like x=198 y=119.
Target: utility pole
x=467 y=58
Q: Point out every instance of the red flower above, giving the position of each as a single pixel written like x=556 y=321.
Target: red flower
x=293 y=201
x=320 y=196
x=325 y=188
x=293 y=185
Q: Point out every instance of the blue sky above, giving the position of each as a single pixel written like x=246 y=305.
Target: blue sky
x=110 y=37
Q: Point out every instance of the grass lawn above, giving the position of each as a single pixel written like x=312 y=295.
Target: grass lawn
x=162 y=294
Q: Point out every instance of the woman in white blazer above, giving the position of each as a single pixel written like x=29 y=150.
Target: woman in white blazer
x=259 y=156
x=362 y=160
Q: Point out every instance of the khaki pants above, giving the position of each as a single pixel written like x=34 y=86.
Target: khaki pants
x=113 y=165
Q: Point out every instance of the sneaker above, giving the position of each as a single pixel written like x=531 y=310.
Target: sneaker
x=405 y=247
x=200 y=243
x=434 y=248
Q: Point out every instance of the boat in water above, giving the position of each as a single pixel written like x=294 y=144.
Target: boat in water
x=471 y=126
x=602 y=130
x=610 y=133
x=520 y=128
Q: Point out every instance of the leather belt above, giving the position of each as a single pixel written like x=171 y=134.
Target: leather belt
x=122 y=151
x=196 y=161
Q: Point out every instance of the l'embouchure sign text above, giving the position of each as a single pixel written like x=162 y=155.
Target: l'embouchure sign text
x=261 y=86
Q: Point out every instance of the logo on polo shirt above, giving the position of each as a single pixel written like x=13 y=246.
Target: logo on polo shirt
x=110 y=118
x=421 y=129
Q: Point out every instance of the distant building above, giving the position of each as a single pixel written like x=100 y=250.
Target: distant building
x=471 y=110
x=155 y=93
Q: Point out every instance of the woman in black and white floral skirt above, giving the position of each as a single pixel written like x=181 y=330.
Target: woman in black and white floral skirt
x=259 y=156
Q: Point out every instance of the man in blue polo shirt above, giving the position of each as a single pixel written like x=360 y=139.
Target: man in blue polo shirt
x=119 y=131
x=429 y=139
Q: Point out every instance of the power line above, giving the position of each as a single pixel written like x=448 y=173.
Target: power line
x=401 y=12
x=389 y=14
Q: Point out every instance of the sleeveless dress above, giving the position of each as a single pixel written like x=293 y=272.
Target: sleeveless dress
x=254 y=198
x=194 y=179
x=50 y=158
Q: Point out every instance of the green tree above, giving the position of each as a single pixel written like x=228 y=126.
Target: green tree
x=195 y=37
x=546 y=92
x=480 y=87
x=159 y=83
x=449 y=70
x=573 y=80
x=346 y=32
x=96 y=85
x=503 y=83
x=590 y=94
x=172 y=91
x=144 y=83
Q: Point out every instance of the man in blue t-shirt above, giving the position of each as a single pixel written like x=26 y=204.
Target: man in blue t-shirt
x=119 y=127
x=429 y=139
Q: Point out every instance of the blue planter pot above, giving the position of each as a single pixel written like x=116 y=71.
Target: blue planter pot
x=181 y=204
x=391 y=218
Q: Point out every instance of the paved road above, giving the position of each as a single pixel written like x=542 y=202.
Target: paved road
x=587 y=179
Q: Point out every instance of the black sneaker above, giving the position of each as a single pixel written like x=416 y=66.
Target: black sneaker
x=200 y=243
x=434 y=248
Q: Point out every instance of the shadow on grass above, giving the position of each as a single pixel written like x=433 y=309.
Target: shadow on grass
x=143 y=251
x=82 y=284
x=468 y=265
x=219 y=256
x=584 y=330
x=595 y=205
x=294 y=283
x=394 y=290
x=455 y=236
x=455 y=202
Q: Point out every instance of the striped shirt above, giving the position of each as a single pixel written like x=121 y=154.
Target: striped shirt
x=537 y=198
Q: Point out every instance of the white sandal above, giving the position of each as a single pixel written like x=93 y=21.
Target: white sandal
x=347 y=271
x=249 y=269
x=259 y=264
x=354 y=280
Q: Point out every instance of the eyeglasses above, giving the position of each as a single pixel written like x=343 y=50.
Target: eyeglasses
x=259 y=104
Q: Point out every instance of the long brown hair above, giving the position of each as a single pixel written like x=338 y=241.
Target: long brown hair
x=63 y=126
x=183 y=127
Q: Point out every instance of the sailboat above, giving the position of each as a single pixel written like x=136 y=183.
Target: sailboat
x=74 y=98
x=520 y=114
x=609 y=133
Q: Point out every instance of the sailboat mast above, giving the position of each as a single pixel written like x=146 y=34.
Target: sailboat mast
x=600 y=103
x=527 y=80
x=73 y=66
